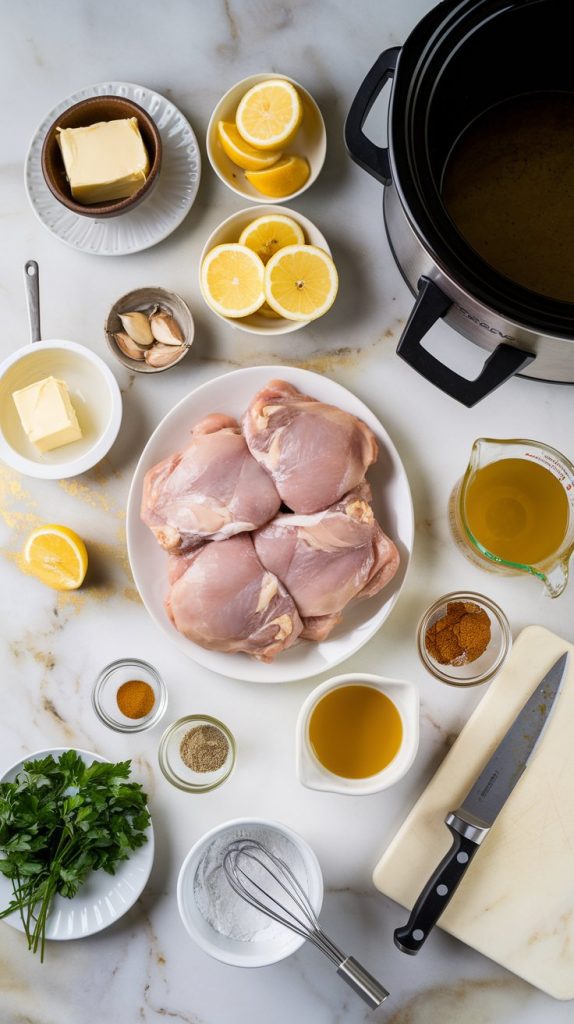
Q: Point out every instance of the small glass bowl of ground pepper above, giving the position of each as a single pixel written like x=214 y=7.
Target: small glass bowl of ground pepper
x=197 y=753
x=129 y=695
x=463 y=638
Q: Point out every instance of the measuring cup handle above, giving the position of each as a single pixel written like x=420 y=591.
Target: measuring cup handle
x=32 y=279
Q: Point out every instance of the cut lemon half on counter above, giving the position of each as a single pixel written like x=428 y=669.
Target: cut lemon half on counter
x=241 y=153
x=232 y=280
x=265 y=235
x=56 y=556
x=301 y=282
x=269 y=114
x=288 y=175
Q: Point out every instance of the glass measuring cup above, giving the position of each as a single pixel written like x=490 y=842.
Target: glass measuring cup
x=552 y=569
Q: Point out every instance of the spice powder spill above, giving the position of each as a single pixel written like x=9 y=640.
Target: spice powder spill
x=204 y=748
x=460 y=636
x=135 y=698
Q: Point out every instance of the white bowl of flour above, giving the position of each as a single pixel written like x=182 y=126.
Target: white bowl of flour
x=223 y=924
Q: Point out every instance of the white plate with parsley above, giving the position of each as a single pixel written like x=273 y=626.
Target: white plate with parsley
x=79 y=830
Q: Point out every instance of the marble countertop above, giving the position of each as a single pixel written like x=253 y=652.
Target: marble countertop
x=145 y=968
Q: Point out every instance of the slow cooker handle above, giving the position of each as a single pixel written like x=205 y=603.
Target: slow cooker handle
x=501 y=364
x=374 y=159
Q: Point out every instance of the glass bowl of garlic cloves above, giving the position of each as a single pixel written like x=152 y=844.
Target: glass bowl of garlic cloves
x=149 y=330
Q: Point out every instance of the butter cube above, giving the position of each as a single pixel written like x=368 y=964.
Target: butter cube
x=104 y=161
x=47 y=414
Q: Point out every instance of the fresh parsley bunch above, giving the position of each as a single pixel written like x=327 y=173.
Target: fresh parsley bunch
x=59 y=820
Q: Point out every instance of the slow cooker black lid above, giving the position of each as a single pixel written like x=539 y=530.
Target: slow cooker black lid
x=427 y=56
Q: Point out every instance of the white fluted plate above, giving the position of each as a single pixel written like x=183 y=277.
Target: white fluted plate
x=157 y=216
x=103 y=898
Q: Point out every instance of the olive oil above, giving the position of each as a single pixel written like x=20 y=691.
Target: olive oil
x=355 y=731
x=517 y=510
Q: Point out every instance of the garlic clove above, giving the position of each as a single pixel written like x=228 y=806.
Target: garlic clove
x=128 y=346
x=166 y=329
x=137 y=326
x=162 y=355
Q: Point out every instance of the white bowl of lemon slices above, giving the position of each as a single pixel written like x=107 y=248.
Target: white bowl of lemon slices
x=266 y=139
x=267 y=271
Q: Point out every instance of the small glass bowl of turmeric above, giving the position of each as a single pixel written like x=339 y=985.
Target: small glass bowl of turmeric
x=129 y=695
x=463 y=638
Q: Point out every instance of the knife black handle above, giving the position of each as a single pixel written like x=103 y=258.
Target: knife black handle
x=436 y=894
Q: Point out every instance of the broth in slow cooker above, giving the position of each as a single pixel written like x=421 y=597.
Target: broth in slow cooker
x=509 y=187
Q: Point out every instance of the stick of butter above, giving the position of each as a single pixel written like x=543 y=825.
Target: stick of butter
x=104 y=161
x=47 y=414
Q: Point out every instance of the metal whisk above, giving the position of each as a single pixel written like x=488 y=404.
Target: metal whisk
x=292 y=909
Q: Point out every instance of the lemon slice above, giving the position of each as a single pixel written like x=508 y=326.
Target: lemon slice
x=269 y=114
x=57 y=557
x=267 y=312
x=285 y=177
x=241 y=153
x=266 y=235
x=232 y=280
x=301 y=282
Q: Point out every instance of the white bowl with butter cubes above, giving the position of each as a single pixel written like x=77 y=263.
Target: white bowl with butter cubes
x=60 y=405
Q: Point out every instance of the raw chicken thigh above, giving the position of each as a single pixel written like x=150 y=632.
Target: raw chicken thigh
x=210 y=490
x=327 y=559
x=314 y=452
x=226 y=601
x=241 y=577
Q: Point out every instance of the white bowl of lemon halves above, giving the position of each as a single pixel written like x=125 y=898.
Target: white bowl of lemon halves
x=268 y=271
x=266 y=139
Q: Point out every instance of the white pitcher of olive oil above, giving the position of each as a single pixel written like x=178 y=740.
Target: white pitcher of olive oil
x=513 y=510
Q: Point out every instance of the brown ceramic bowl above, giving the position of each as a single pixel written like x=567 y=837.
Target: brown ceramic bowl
x=86 y=112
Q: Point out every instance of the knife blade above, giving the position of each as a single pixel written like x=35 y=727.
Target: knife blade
x=471 y=822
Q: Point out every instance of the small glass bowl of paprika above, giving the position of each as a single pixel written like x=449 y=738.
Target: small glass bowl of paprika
x=129 y=695
x=463 y=638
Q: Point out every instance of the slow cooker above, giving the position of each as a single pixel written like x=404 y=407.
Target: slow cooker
x=461 y=59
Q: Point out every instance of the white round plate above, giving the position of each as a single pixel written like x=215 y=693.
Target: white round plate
x=157 y=216
x=103 y=898
x=392 y=502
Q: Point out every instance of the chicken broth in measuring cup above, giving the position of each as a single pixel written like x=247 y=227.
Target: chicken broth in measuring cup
x=509 y=188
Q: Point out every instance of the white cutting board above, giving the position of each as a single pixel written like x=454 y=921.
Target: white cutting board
x=516 y=901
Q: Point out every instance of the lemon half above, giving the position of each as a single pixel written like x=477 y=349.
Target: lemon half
x=265 y=235
x=232 y=280
x=269 y=114
x=241 y=153
x=56 y=556
x=301 y=282
x=266 y=311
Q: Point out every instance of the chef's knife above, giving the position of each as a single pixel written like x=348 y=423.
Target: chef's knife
x=472 y=821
